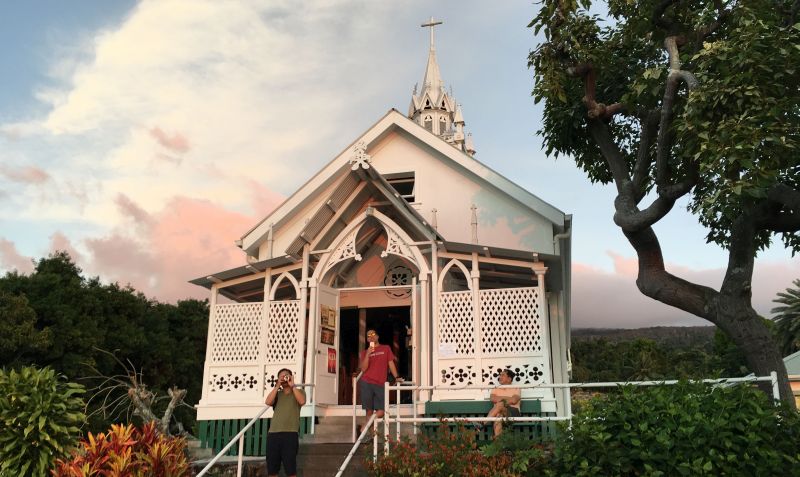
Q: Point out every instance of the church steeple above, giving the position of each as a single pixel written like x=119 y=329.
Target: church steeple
x=433 y=108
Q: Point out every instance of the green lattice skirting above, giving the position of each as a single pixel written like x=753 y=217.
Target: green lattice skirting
x=217 y=433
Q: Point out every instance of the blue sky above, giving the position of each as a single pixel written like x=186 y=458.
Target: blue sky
x=144 y=137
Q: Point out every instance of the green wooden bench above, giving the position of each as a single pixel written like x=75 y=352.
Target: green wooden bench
x=454 y=409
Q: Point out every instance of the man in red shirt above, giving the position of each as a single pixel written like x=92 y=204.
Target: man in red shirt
x=374 y=361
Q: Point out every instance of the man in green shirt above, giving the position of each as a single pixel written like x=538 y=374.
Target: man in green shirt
x=282 y=438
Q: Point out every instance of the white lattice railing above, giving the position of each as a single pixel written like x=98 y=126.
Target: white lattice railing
x=510 y=322
x=246 y=353
x=457 y=323
x=512 y=335
x=236 y=333
x=282 y=332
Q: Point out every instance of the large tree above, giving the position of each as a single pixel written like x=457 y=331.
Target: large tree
x=684 y=98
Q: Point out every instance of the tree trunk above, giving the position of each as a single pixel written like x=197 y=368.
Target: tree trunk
x=730 y=310
x=749 y=332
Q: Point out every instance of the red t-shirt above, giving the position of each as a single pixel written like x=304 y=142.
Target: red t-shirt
x=379 y=358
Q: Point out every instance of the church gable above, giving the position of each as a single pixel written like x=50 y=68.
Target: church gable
x=444 y=179
x=444 y=192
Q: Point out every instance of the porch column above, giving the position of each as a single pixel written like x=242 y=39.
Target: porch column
x=431 y=326
x=301 y=315
x=311 y=333
x=544 y=316
x=264 y=329
x=475 y=275
x=212 y=318
x=421 y=335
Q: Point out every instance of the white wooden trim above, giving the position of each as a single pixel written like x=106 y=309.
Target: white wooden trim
x=281 y=277
x=446 y=268
x=535 y=266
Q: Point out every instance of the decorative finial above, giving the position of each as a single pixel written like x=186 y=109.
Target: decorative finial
x=474 y=223
x=431 y=23
x=360 y=157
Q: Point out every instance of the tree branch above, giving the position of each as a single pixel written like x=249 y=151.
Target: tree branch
x=612 y=154
x=665 y=136
x=594 y=109
x=785 y=195
x=779 y=219
x=655 y=282
x=641 y=170
x=793 y=13
x=659 y=18
x=636 y=220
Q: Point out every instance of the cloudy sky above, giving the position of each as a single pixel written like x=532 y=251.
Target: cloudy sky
x=145 y=137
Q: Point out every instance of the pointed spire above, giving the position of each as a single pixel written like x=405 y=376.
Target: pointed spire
x=432 y=107
x=458 y=117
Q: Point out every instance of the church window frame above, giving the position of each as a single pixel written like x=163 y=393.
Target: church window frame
x=404 y=183
x=427 y=122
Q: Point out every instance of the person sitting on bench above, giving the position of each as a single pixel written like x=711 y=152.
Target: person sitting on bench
x=506 y=400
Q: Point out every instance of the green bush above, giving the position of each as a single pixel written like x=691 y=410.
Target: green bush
x=686 y=429
x=39 y=418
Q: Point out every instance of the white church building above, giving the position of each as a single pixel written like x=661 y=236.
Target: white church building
x=459 y=269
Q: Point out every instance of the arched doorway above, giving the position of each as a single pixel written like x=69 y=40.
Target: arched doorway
x=366 y=281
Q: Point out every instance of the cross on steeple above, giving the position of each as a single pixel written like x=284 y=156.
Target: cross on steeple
x=431 y=23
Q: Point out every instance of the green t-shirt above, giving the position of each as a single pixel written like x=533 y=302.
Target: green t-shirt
x=286 y=417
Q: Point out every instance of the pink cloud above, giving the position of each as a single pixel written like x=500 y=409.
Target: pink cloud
x=611 y=299
x=187 y=239
x=129 y=208
x=264 y=200
x=626 y=266
x=175 y=143
x=25 y=175
x=59 y=241
x=11 y=259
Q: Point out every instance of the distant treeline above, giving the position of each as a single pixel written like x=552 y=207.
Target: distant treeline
x=654 y=353
x=80 y=327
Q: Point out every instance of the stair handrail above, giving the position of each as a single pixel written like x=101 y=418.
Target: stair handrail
x=356 y=445
x=240 y=437
x=355 y=381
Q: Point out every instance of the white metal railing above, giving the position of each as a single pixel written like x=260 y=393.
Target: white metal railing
x=388 y=419
x=240 y=436
x=355 y=383
x=357 y=442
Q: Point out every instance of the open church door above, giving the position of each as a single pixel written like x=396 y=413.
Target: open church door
x=327 y=366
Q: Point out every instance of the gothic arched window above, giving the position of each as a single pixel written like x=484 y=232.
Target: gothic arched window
x=442 y=125
x=428 y=123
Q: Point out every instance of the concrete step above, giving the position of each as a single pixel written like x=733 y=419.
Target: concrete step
x=194 y=450
x=313 y=460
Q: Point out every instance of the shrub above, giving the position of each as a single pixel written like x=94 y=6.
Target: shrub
x=39 y=418
x=527 y=457
x=686 y=429
x=126 y=451
x=451 y=452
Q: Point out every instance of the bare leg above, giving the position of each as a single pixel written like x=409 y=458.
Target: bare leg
x=369 y=414
x=499 y=409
